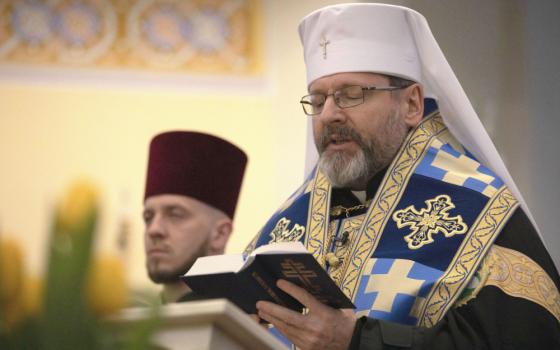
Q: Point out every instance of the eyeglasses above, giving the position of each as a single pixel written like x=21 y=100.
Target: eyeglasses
x=349 y=96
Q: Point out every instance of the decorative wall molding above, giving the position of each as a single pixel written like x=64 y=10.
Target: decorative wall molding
x=186 y=36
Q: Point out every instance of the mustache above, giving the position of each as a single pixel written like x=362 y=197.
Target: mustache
x=156 y=246
x=340 y=131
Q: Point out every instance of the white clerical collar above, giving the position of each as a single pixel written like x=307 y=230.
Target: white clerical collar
x=361 y=195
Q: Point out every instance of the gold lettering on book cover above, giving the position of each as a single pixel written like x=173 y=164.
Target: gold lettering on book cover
x=281 y=233
x=472 y=251
x=296 y=270
x=429 y=221
x=387 y=197
x=267 y=288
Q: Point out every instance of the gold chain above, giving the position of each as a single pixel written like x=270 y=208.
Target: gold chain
x=339 y=209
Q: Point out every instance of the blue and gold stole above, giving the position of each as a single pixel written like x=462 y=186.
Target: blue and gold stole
x=422 y=238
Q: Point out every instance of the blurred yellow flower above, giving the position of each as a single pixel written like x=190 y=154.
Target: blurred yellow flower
x=11 y=271
x=107 y=290
x=12 y=315
x=26 y=304
x=11 y=284
x=78 y=206
x=32 y=295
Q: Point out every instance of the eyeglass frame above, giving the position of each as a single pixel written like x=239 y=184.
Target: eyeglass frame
x=364 y=88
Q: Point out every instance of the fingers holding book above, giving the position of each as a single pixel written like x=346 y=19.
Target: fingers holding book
x=320 y=327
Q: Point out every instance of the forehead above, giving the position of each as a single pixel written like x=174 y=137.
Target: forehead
x=338 y=80
x=172 y=200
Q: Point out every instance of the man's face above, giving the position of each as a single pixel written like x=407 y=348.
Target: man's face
x=178 y=231
x=355 y=143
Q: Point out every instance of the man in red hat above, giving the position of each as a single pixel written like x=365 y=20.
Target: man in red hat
x=192 y=187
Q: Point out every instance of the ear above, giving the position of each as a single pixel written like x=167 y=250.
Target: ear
x=220 y=236
x=413 y=100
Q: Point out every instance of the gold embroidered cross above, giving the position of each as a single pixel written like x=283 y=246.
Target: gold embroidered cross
x=324 y=42
x=428 y=221
x=280 y=232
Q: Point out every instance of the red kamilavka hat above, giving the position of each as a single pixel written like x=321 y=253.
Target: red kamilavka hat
x=196 y=165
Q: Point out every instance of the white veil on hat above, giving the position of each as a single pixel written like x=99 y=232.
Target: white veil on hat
x=397 y=41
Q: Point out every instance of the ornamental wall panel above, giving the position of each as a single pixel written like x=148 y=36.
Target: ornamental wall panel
x=190 y=36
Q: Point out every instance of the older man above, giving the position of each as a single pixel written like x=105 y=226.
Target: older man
x=192 y=187
x=410 y=208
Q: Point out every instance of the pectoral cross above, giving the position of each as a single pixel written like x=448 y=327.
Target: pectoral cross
x=324 y=42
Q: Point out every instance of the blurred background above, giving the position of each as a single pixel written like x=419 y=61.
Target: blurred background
x=85 y=85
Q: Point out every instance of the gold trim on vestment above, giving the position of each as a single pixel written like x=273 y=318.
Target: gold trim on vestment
x=318 y=218
x=469 y=255
x=517 y=275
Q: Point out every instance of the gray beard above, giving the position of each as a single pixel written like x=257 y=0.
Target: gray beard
x=343 y=170
x=373 y=155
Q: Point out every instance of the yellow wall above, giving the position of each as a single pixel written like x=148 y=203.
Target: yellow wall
x=57 y=125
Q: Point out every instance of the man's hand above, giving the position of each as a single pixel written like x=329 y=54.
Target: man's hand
x=322 y=328
x=265 y=325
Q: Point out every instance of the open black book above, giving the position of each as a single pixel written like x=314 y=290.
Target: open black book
x=244 y=282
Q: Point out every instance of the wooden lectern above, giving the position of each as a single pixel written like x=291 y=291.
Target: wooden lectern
x=202 y=325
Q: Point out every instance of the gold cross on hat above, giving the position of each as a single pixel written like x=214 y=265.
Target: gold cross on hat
x=324 y=42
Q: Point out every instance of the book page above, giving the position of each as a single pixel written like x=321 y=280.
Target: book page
x=280 y=248
x=213 y=264
x=275 y=248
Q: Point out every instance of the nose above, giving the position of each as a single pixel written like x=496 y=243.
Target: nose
x=155 y=229
x=331 y=112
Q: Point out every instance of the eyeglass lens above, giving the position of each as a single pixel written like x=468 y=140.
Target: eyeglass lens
x=349 y=96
